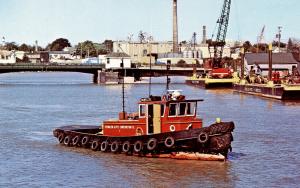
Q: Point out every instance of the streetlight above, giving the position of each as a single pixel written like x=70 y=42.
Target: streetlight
x=279 y=37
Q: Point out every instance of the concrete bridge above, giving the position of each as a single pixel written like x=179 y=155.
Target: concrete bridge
x=94 y=69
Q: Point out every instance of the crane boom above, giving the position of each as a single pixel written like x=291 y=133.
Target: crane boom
x=261 y=36
x=219 y=43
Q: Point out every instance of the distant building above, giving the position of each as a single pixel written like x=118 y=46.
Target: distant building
x=60 y=56
x=114 y=60
x=7 y=57
x=162 y=51
x=282 y=62
x=140 y=52
x=38 y=57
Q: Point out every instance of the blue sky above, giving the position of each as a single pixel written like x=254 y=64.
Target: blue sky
x=24 y=21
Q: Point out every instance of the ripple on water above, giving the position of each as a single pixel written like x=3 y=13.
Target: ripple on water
x=265 y=150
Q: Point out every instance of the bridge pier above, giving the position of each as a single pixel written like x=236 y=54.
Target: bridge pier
x=102 y=77
x=95 y=78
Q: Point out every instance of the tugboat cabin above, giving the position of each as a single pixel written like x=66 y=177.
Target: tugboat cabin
x=155 y=115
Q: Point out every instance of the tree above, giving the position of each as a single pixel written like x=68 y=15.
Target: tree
x=11 y=46
x=59 y=44
x=247 y=46
x=290 y=45
x=26 y=48
x=86 y=49
x=282 y=45
x=262 y=47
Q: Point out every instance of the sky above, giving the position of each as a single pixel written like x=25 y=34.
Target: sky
x=24 y=21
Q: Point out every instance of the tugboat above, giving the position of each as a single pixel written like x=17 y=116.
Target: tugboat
x=273 y=87
x=163 y=125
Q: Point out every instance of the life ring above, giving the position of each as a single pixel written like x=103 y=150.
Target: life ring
x=67 y=140
x=104 y=146
x=139 y=131
x=114 y=147
x=75 y=140
x=138 y=146
x=169 y=142
x=126 y=147
x=203 y=137
x=151 y=144
x=85 y=140
x=172 y=128
x=60 y=138
x=95 y=145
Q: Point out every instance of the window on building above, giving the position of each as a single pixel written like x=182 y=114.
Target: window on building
x=144 y=52
x=142 y=110
x=182 y=107
x=191 y=108
x=173 y=109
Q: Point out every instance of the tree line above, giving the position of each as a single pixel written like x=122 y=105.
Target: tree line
x=83 y=49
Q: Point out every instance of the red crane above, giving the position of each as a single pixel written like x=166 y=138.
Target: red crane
x=216 y=47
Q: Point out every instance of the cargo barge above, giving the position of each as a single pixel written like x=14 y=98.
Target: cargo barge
x=272 y=87
x=276 y=91
x=210 y=82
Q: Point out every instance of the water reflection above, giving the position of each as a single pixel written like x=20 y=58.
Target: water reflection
x=159 y=172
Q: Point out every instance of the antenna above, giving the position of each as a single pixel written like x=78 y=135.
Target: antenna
x=150 y=71
x=123 y=84
x=123 y=88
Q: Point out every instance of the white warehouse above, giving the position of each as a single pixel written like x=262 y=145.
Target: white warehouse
x=114 y=60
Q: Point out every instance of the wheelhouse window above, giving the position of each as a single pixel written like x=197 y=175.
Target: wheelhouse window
x=191 y=108
x=162 y=110
x=142 y=110
x=172 y=109
x=182 y=107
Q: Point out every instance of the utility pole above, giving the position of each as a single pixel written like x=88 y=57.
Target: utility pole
x=242 y=63
x=150 y=76
x=80 y=50
x=270 y=63
x=279 y=37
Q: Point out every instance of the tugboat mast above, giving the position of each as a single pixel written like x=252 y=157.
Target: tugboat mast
x=150 y=65
x=168 y=79
x=123 y=88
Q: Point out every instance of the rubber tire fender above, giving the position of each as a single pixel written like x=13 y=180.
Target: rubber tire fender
x=75 y=140
x=151 y=144
x=126 y=147
x=67 y=140
x=95 y=145
x=138 y=146
x=114 y=147
x=169 y=142
x=85 y=140
x=104 y=146
x=202 y=137
x=61 y=138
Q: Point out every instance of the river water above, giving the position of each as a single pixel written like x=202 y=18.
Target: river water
x=266 y=149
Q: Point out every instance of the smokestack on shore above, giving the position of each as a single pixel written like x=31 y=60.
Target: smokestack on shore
x=204 y=35
x=36 y=46
x=175 y=27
